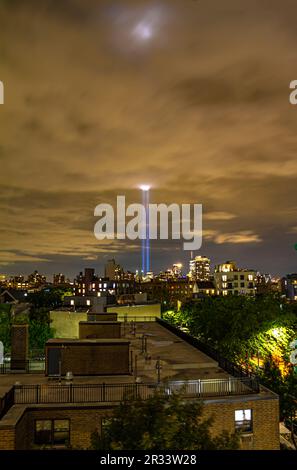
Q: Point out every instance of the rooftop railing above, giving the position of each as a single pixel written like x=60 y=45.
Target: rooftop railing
x=99 y=393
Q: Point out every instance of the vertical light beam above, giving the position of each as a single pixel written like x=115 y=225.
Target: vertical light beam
x=147 y=231
x=145 y=242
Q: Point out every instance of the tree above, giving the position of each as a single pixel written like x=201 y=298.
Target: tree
x=159 y=423
x=39 y=333
x=5 y=325
x=50 y=297
x=238 y=326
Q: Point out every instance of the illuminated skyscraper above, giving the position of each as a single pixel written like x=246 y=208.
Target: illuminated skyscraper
x=200 y=268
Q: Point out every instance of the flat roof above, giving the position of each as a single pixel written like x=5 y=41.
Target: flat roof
x=179 y=360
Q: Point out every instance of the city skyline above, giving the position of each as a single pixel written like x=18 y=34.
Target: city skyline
x=100 y=97
x=185 y=269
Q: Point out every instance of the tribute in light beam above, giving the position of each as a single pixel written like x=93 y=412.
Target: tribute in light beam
x=145 y=243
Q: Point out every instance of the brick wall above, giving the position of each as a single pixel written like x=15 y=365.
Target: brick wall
x=98 y=329
x=265 y=435
x=93 y=358
x=102 y=316
x=19 y=346
x=83 y=422
x=7 y=439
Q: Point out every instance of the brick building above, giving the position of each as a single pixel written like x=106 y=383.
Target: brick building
x=37 y=413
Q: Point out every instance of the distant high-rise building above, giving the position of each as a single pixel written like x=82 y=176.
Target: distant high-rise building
x=266 y=284
x=200 y=268
x=36 y=279
x=289 y=286
x=115 y=272
x=110 y=269
x=58 y=279
x=177 y=270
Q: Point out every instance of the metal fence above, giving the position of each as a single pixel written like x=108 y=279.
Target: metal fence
x=136 y=318
x=98 y=393
x=80 y=393
x=30 y=366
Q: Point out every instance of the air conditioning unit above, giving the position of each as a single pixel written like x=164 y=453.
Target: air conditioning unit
x=247 y=441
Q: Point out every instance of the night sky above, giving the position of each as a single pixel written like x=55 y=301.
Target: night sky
x=190 y=96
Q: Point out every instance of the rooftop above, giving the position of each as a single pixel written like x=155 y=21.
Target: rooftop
x=151 y=345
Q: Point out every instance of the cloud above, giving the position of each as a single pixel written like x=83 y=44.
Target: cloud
x=202 y=114
x=219 y=216
x=245 y=236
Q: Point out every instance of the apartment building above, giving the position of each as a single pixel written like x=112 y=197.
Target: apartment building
x=61 y=407
x=231 y=280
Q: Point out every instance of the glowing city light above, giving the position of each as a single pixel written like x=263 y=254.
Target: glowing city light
x=145 y=187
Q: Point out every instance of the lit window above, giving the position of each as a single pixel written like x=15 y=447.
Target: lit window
x=224 y=278
x=250 y=277
x=88 y=302
x=243 y=420
x=71 y=302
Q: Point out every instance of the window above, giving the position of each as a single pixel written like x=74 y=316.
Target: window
x=52 y=432
x=43 y=431
x=250 y=277
x=243 y=420
x=242 y=284
x=224 y=278
x=61 y=431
